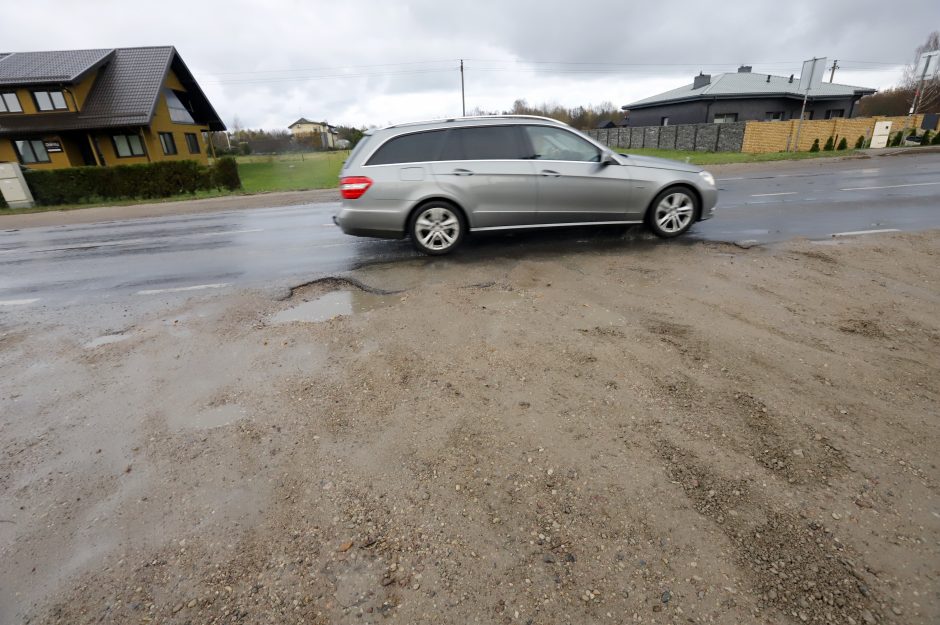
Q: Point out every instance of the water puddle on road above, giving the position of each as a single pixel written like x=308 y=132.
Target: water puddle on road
x=107 y=339
x=333 y=304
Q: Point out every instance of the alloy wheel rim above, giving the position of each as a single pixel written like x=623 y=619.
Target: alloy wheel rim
x=437 y=228
x=674 y=212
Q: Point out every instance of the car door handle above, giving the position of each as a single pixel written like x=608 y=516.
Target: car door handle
x=551 y=173
x=462 y=172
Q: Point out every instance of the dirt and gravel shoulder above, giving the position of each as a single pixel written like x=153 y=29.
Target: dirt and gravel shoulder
x=661 y=433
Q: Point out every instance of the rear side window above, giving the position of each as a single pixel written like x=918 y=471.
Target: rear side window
x=483 y=143
x=414 y=148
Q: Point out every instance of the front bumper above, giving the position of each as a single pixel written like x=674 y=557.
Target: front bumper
x=709 y=202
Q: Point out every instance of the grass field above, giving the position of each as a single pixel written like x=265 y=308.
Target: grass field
x=290 y=172
x=720 y=158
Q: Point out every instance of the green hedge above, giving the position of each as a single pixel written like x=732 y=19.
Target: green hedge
x=77 y=185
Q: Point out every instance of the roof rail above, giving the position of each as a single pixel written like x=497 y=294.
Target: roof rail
x=473 y=117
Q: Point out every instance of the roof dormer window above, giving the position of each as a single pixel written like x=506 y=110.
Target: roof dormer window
x=10 y=103
x=50 y=101
x=178 y=112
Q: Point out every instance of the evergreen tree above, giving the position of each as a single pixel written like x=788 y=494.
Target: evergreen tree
x=815 y=147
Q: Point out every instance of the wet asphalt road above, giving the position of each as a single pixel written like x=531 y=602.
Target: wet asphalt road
x=211 y=252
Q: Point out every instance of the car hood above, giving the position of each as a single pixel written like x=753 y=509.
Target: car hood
x=659 y=163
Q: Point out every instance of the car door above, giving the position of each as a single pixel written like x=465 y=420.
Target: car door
x=573 y=185
x=485 y=170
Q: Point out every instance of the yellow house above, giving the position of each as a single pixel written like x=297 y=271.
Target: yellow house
x=304 y=126
x=101 y=107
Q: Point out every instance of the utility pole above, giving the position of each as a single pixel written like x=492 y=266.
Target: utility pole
x=835 y=66
x=463 y=97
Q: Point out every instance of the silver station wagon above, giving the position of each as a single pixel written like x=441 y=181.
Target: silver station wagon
x=436 y=181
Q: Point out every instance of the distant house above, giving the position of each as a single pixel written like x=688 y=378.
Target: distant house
x=744 y=96
x=609 y=123
x=328 y=134
x=110 y=106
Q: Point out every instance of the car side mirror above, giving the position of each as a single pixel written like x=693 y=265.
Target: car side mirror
x=607 y=158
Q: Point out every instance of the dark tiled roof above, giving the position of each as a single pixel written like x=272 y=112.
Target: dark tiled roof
x=302 y=120
x=42 y=68
x=125 y=94
x=747 y=84
x=130 y=86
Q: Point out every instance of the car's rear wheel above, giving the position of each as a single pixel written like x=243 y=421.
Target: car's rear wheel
x=437 y=228
x=672 y=212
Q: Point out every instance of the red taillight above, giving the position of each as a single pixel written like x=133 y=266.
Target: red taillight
x=353 y=187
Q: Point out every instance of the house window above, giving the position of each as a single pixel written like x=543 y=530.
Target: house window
x=50 y=101
x=192 y=143
x=128 y=145
x=833 y=113
x=10 y=103
x=32 y=151
x=167 y=143
x=726 y=118
x=773 y=116
x=664 y=121
x=808 y=115
x=178 y=113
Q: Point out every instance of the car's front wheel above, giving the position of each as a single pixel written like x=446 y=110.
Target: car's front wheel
x=437 y=228
x=672 y=212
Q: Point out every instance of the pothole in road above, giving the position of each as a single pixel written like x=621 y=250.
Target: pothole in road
x=332 y=304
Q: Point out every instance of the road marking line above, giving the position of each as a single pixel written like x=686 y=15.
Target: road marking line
x=769 y=194
x=891 y=186
x=18 y=302
x=224 y=232
x=180 y=289
x=849 y=234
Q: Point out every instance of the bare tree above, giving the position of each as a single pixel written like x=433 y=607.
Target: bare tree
x=898 y=101
x=930 y=96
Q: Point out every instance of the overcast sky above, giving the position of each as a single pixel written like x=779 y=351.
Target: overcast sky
x=373 y=62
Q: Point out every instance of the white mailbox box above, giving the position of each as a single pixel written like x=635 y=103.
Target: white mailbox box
x=880 y=135
x=13 y=186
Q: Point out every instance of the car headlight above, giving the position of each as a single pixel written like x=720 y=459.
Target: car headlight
x=708 y=178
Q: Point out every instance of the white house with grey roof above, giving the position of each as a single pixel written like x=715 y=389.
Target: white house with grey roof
x=743 y=96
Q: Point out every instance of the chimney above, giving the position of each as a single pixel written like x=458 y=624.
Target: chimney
x=744 y=69
x=701 y=80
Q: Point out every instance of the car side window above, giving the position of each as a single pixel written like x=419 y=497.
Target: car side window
x=414 y=148
x=483 y=143
x=555 y=144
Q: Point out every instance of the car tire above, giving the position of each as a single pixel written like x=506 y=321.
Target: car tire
x=672 y=212
x=437 y=228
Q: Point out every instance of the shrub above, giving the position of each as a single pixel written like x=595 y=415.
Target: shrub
x=830 y=144
x=896 y=139
x=936 y=139
x=860 y=142
x=926 y=139
x=225 y=174
x=843 y=144
x=815 y=147
x=146 y=181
